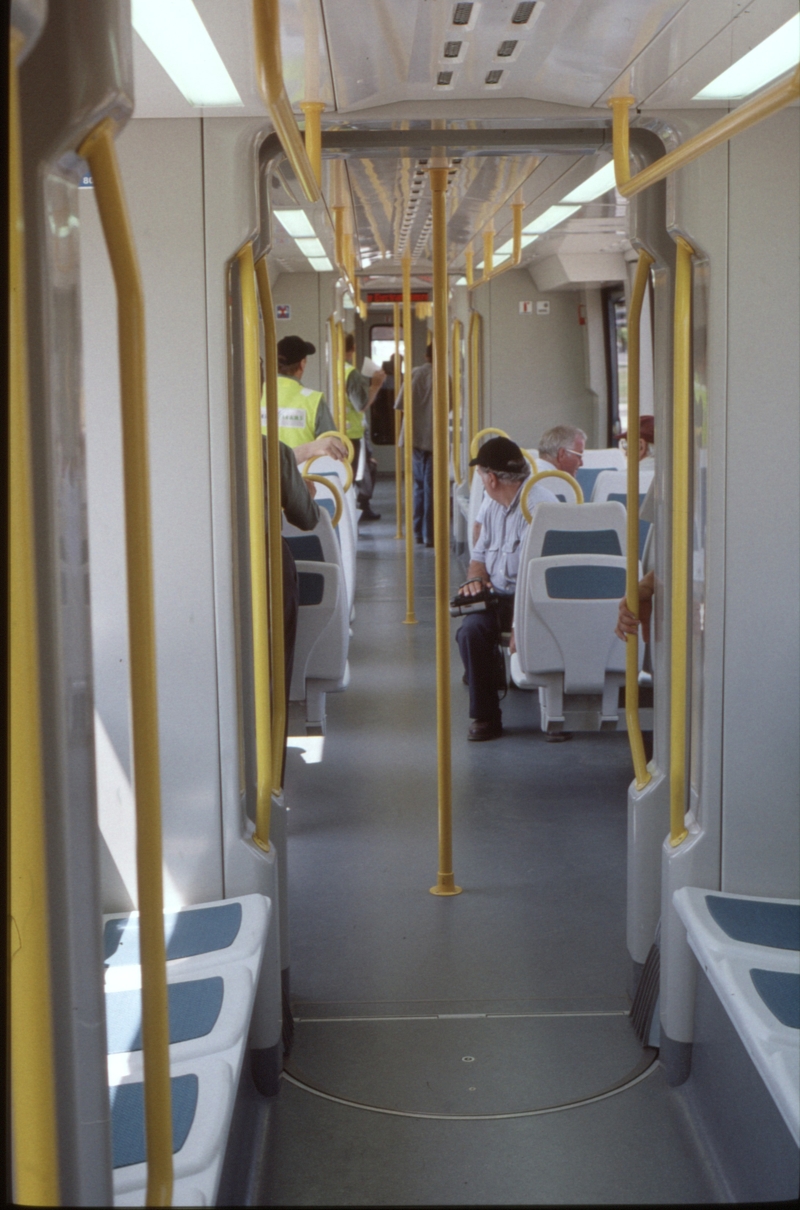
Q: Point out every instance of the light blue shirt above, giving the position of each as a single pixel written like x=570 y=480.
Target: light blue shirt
x=502 y=531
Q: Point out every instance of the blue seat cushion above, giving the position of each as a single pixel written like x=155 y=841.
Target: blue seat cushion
x=757 y=922
x=587 y=477
x=581 y=542
x=644 y=526
x=127 y=1118
x=328 y=505
x=194 y=1007
x=187 y=933
x=584 y=583
x=780 y=991
x=307 y=547
x=312 y=587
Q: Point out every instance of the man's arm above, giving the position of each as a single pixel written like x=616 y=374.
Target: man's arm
x=475 y=572
x=299 y=508
x=332 y=447
x=627 y=623
x=361 y=391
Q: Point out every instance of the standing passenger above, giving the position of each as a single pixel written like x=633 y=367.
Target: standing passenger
x=422 y=455
x=360 y=392
x=303 y=414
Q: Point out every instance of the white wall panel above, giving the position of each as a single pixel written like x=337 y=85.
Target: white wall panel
x=311 y=297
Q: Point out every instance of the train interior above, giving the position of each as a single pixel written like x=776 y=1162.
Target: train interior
x=300 y=942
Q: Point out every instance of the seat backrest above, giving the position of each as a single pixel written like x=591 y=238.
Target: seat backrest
x=576 y=529
x=344 y=536
x=318 y=545
x=476 y=494
x=613 y=485
x=608 y=459
x=566 y=622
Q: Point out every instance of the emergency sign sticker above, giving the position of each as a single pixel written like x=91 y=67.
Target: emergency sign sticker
x=283 y=311
x=291 y=418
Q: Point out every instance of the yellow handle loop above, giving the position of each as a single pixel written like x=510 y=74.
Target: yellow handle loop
x=474 y=447
x=348 y=467
x=553 y=474
x=337 y=495
x=532 y=462
x=351 y=453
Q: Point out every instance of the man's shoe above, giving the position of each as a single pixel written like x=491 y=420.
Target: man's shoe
x=368 y=514
x=481 y=729
x=558 y=737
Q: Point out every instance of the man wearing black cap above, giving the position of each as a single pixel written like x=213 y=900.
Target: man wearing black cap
x=303 y=414
x=495 y=562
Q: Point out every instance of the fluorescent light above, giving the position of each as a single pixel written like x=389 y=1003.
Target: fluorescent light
x=311 y=247
x=461 y=281
x=550 y=218
x=296 y=223
x=321 y=264
x=778 y=53
x=508 y=247
x=175 y=34
x=594 y=186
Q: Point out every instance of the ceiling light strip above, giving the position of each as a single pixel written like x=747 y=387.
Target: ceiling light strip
x=175 y=34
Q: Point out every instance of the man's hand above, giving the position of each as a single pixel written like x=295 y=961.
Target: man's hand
x=627 y=622
x=312 y=488
x=375 y=383
x=330 y=447
x=477 y=580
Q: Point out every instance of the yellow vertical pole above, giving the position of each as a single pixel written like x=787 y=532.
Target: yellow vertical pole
x=98 y=149
x=30 y=1008
x=257 y=544
x=635 y=740
x=398 y=457
x=621 y=140
x=488 y=252
x=313 y=135
x=341 y=418
x=456 y=355
x=469 y=267
x=274 y=539
x=408 y=441
x=474 y=341
x=445 y=882
x=681 y=430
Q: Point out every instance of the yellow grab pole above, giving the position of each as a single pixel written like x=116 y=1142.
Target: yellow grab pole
x=744 y=116
x=259 y=604
x=474 y=444
x=488 y=254
x=274 y=538
x=269 y=73
x=398 y=458
x=445 y=882
x=517 y=209
x=408 y=441
x=341 y=420
x=338 y=230
x=640 y=769
x=313 y=135
x=681 y=457
x=98 y=149
x=36 y=1178
x=456 y=355
x=469 y=267
x=537 y=478
x=474 y=340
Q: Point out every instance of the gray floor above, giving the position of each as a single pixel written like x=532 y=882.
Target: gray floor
x=534 y=949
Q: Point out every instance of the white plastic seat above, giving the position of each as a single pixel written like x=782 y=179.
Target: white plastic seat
x=611 y=458
x=348 y=525
x=564 y=617
x=323 y=630
x=613 y=485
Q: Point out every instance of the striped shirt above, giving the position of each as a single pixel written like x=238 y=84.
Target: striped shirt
x=502 y=531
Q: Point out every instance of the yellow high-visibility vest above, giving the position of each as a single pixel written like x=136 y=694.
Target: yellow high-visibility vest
x=355 y=422
x=297 y=412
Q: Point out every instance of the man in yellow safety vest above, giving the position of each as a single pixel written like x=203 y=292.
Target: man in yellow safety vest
x=303 y=414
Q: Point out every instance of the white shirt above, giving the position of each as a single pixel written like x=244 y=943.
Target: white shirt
x=500 y=539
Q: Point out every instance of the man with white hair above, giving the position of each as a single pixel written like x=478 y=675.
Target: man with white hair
x=563 y=447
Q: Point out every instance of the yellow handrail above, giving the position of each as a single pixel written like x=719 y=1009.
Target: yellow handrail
x=259 y=600
x=348 y=467
x=398 y=457
x=474 y=445
x=36 y=1170
x=474 y=340
x=337 y=496
x=553 y=474
x=269 y=73
x=408 y=441
x=313 y=135
x=341 y=419
x=98 y=149
x=341 y=437
x=640 y=770
x=529 y=458
x=273 y=520
x=489 y=271
x=744 y=116
x=445 y=881
x=456 y=357
x=681 y=487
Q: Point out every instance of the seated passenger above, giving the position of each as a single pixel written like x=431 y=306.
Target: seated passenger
x=303 y=414
x=361 y=392
x=495 y=562
x=563 y=447
x=647 y=449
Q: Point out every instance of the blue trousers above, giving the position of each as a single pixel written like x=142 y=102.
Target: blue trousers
x=422 y=465
x=477 y=640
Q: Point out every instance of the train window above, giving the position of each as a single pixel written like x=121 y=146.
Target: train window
x=381 y=346
x=615 y=325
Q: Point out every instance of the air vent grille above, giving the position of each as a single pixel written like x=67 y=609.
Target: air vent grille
x=493 y=77
x=444 y=78
x=506 y=49
x=452 y=50
x=522 y=13
x=463 y=12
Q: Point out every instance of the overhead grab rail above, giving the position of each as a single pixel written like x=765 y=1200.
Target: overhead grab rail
x=445 y=881
x=740 y=119
x=489 y=271
x=259 y=601
x=398 y=456
x=474 y=382
x=641 y=772
x=273 y=522
x=681 y=492
x=537 y=478
x=324 y=481
x=408 y=442
x=98 y=149
x=33 y=1098
x=269 y=72
x=455 y=354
